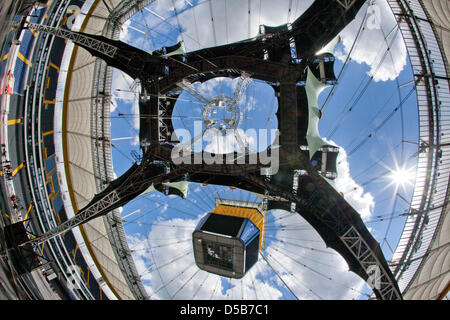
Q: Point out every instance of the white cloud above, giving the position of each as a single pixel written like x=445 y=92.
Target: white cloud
x=168 y=270
x=166 y=8
x=218 y=143
x=176 y=261
x=371 y=45
x=174 y=258
x=125 y=35
x=275 y=13
x=307 y=264
x=231 y=20
x=123 y=91
x=164 y=208
x=250 y=103
x=208 y=89
x=363 y=202
x=121 y=86
x=135 y=140
x=226 y=143
x=175 y=275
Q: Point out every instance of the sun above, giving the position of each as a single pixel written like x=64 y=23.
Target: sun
x=401 y=176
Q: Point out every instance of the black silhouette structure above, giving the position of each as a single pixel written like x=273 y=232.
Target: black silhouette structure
x=299 y=183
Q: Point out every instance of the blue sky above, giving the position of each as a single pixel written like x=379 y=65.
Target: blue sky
x=370 y=137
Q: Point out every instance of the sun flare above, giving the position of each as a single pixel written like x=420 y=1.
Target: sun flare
x=401 y=176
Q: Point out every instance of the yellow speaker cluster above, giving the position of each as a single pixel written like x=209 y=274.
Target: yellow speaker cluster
x=253 y=214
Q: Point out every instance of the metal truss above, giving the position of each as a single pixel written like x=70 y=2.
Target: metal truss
x=346 y=4
x=164 y=126
x=365 y=258
x=337 y=223
x=324 y=208
x=126 y=9
x=117 y=238
x=187 y=86
x=78 y=38
x=430 y=71
x=82 y=217
x=378 y=278
x=244 y=81
x=101 y=147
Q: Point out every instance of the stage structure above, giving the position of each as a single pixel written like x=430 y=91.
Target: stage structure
x=287 y=58
x=227 y=241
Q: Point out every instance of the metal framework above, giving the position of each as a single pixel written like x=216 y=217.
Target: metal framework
x=369 y=260
x=34 y=103
x=101 y=144
x=429 y=199
x=78 y=38
x=125 y=10
x=268 y=58
x=347 y=4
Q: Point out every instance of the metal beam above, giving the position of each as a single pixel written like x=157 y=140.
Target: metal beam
x=78 y=38
x=338 y=223
x=429 y=66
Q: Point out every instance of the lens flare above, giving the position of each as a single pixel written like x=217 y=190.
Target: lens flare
x=401 y=176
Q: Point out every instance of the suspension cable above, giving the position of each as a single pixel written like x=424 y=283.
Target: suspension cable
x=279 y=277
x=331 y=93
x=366 y=86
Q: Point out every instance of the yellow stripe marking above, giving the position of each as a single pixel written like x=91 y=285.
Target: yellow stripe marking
x=47 y=133
x=49 y=101
x=29 y=209
x=14 y=121
x=50 y=172
x=54 y=66
x=5 y=57
x=17 y=169
x=75 y=252
x=21 y=57
x=42 y=249
x=54 y=194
